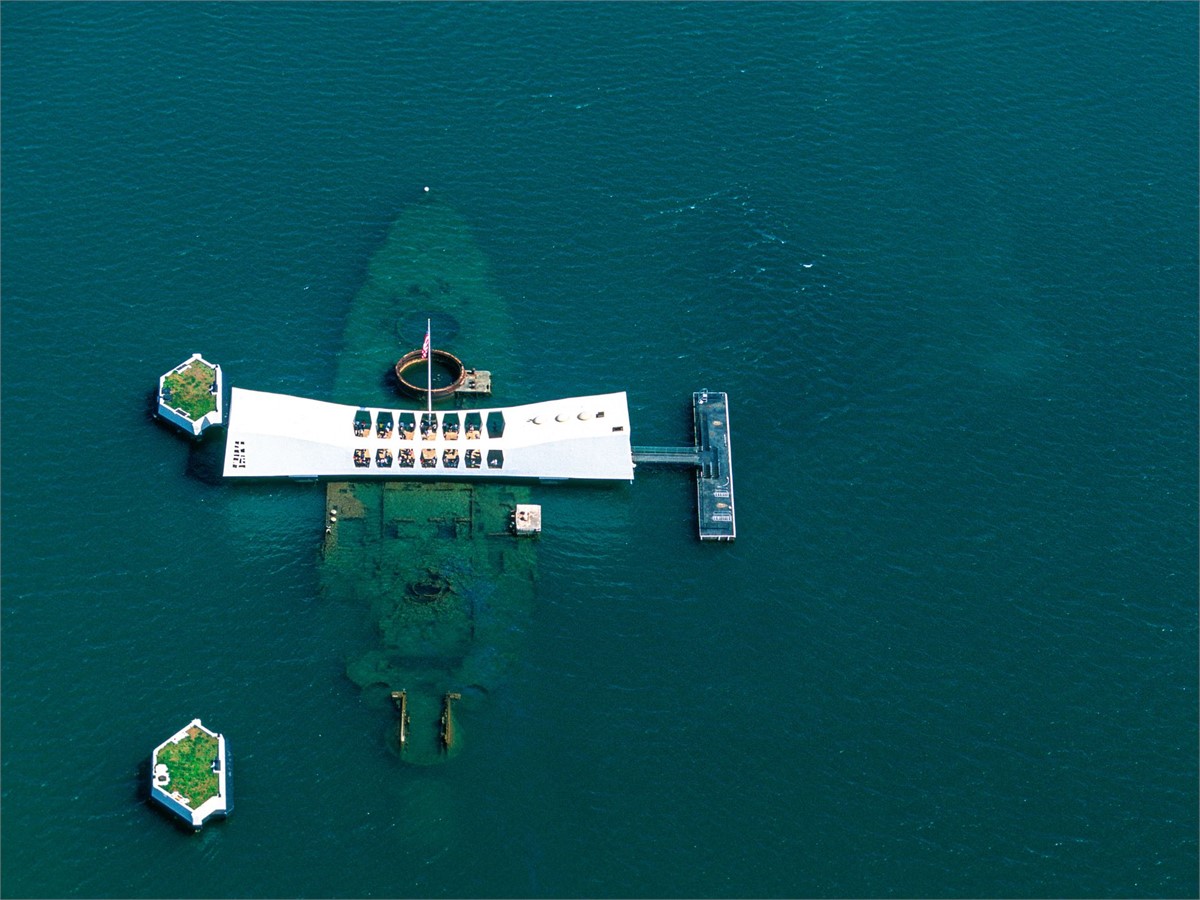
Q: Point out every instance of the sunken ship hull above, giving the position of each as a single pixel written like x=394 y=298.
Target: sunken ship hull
x=432 y=563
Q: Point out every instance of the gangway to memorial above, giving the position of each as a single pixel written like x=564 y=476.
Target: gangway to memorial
x=667 y=456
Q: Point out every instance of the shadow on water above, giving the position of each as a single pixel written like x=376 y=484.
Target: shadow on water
x=206 y=453
x=206 y=458
x=142 y=773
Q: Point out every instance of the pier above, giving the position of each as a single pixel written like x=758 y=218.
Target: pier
x=712 y=458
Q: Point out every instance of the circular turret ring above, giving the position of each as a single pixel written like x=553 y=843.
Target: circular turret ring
x=442 y=358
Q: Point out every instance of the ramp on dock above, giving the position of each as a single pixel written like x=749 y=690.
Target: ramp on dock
x=712 y=458
x=667 y=456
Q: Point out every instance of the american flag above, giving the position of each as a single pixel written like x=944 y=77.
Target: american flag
x=425 y=346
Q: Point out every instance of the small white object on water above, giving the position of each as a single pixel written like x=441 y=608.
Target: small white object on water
x=427 y=189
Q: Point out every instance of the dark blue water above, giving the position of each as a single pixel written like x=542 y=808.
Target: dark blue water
x=944 y=261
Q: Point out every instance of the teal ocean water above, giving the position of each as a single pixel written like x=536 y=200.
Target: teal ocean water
x=942 y=257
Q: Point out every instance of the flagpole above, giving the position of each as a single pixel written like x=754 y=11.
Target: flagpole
x=429 y=362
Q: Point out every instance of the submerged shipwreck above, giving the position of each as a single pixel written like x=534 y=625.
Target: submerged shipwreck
x=425 y=509
x=419 y=503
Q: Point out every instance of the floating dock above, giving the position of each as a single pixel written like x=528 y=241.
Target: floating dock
x=714 y=477
x=712 y=458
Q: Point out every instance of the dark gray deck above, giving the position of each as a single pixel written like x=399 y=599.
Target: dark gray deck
x=714 y=476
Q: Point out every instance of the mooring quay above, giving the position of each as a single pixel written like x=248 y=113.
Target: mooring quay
x=712 y=457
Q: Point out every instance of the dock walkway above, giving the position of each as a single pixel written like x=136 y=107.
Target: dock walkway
x=667 y=456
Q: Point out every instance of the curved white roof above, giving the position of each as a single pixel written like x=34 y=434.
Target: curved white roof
x=281 y=436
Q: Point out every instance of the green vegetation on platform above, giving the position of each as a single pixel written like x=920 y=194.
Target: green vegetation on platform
x=191 y=390
x=189 y=764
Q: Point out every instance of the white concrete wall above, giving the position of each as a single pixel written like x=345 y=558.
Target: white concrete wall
x=279 y=435
x=212 y=806
x=180 y=418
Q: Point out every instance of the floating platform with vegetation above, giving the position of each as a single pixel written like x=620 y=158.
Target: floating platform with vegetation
x=190 y=396
x=190 y=774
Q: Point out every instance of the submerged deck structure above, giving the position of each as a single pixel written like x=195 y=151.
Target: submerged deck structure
x=283 y=436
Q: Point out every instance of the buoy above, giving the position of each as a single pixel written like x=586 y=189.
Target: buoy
x=427 y=189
